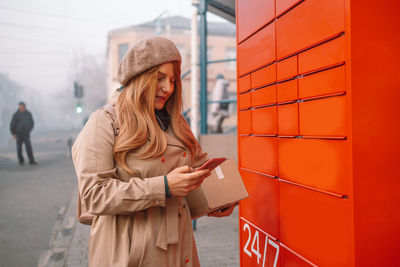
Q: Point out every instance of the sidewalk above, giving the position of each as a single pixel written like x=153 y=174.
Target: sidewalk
x=31 y=197
x=217 y=241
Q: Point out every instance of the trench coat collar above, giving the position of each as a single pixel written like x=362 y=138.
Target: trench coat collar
x=172 y=140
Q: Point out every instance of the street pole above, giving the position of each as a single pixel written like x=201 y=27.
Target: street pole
x=194 y=121
x=203 y=65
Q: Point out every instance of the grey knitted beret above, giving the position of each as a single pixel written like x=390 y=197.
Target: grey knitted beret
x=144 y=55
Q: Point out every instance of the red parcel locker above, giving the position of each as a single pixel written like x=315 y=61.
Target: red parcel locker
x=265 y=203
x=287 y=91
x=265 y=96
x=260 y=44
x=252 y=15
x=259 y=154
x=309 y=23
x=245 y=101
x=264 y=121
x=315 y=225
x=330 y=176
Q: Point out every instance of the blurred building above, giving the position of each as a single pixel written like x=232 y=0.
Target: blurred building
x=10 y=96
x=221 y=42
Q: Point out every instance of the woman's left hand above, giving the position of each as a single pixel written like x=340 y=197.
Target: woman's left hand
x=224 y=212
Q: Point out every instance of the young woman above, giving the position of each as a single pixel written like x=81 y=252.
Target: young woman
x=135 y=182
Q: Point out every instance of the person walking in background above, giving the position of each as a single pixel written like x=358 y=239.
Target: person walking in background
x=219 y=111
x=21 y=125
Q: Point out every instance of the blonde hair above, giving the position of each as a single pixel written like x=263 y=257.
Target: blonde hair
x=139 y=132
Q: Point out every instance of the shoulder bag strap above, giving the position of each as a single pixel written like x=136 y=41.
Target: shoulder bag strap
x=111 y=111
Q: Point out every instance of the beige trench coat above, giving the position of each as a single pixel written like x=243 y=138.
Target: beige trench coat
x=136 y=225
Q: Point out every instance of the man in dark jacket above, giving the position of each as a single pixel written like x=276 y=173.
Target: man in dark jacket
x=21 y=125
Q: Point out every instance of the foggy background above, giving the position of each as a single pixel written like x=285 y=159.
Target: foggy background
x=46 y=45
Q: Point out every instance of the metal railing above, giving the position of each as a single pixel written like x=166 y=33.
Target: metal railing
x=186 y=112
x=186 y=73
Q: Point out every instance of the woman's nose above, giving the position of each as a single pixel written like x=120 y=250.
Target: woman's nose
x=167 y=87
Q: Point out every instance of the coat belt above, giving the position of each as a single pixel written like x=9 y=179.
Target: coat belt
x=168 y=233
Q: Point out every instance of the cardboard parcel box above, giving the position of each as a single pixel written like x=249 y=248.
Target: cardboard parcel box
x=223 y=187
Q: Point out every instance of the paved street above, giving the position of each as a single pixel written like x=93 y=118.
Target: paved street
x=38 y=209
x=218 y=241
x=31 y=197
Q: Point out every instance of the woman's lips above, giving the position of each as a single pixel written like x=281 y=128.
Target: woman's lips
x=161 y=98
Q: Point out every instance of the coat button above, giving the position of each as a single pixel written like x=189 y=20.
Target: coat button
x=187 y=260
x=162 y=160
x=184 y=154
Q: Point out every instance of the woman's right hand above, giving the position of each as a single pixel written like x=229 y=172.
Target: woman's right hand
x=183 y=179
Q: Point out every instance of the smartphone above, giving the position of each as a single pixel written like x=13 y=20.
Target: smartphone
x=211 y=164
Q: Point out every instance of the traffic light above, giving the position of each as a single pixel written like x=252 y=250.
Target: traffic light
x=78 y=90
x=78 y=108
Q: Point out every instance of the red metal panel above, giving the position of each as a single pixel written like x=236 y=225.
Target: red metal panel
x=323 y=83
x=323 y=117
x=262 y=205
x=244 y=84
x=264 y=96
x=287 y=91
x=257 y=51
x=252 y=15
x=327 y=54
x=265 y=121
x=375 y=124
x=307 y=24
x=316 y=225
x=288 y=258
x=321 y=164
x=264 y=76
x=288 y=120
x=287 y=68
x=259 y=154
x=283 y=5
x=244 y=122
x=245 y=101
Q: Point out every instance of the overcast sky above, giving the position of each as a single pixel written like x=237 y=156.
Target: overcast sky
x=40 y=40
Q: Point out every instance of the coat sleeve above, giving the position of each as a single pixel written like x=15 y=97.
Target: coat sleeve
x=13 y=124
x=101 y=190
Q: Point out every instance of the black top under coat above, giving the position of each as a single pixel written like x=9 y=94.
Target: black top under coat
x=163 y=118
